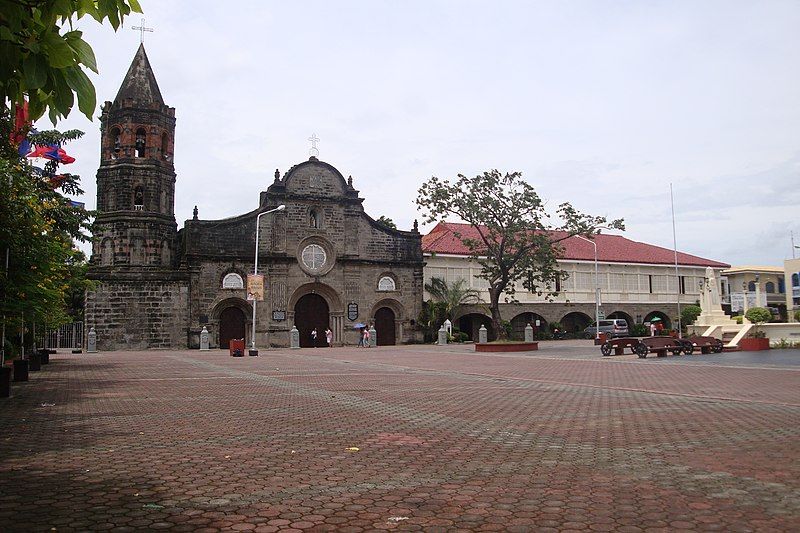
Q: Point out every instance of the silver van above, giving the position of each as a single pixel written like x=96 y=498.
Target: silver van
x=613 y=327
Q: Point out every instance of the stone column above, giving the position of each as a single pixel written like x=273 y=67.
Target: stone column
x=483 y=335
x=528 y=333
x=294 y=337
x=204 y=339
x=91 y=342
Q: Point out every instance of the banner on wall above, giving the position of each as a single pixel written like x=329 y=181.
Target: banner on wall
x=255 y=287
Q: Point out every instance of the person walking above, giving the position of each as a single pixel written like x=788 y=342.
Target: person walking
x=329 y=337
x=366 y=338
x=314 y=337
x=361 y=338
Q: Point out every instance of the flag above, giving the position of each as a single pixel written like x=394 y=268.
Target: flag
x=52 y=152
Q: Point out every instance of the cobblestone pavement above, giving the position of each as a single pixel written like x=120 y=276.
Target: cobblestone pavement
x=408 y=438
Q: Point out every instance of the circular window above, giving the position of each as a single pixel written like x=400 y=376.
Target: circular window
x=314 y=256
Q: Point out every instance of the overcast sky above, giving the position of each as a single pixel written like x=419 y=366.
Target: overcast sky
x=599 y=103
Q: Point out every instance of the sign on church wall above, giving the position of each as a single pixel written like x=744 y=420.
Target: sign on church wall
x=255 y=287
x=352 y=311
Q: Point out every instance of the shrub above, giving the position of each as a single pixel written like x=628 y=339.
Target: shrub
x=797 y=316
x=639 y=330
x=689 y=314
x=758 y=316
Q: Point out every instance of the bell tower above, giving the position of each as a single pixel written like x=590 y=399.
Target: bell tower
x=135 y=227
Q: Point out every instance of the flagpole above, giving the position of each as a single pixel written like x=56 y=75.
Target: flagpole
x=675 y=250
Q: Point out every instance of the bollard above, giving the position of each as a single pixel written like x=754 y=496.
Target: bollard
x=294 y=336
x=442 y=336
x=204 y=339
x=373 y=337
x=91 y=342
x=482 y=335
x=528 y=333
x=20 y=370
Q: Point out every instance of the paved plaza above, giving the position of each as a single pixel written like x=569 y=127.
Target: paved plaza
x=407 y=438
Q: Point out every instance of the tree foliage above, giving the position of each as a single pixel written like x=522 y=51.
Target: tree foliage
x=758 y=316
x=516 y=241
x=452 y=295
x=386 y=221
x=38 y=225
x=41 y=62
x=689 y=314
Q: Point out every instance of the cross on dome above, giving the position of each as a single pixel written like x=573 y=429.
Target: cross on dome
x=314 y=152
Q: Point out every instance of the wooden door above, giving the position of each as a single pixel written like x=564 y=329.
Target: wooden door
x=310 y=312
x=231 y=326
x=385 y=327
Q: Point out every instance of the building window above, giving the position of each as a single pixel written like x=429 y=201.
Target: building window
x=751 y=286
x=232 y=281
x=116 y=142
x=138 y=198
x=650 y=283
x=386 y=283
x=769 y=287
x=682 y=284
x=557 y=283
x=314 y=257
x=795 y=280
x=781 y=286
x=141 y=142
x=164 y=146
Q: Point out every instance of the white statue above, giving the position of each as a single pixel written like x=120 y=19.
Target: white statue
x=713 y=287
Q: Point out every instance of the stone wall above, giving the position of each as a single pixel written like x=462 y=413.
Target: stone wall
x=138 y=314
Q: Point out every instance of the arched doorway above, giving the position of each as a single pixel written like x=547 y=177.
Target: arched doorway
x=521 y=321
x=311 y=312
x=385 y=327
x=575 y=322
x=623 y=315
x=471 y=325
x=231 y=325
x=662 y=317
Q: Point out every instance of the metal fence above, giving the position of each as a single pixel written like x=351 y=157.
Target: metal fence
x=66 y=336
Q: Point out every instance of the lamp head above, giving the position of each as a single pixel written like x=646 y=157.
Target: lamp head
x=280 y=207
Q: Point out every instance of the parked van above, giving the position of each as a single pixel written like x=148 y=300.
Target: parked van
x=613 y=327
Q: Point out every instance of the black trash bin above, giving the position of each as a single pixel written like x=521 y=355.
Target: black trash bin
x=5 y=381
x=34 y=362
x=20 y=370
x=44 y=355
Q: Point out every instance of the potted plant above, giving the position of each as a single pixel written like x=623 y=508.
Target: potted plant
x=758 y=339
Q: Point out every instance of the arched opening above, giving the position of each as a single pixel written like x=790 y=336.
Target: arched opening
x=107 y=252
x=166 y=256
x=138 y=198
x=164 y=146
x=625 y=316
x=521 y=321
x=471 y=325
x=663 y=318
x=116 y=143
x=769 y=287
x=386 y=283
x=311 y=313
x=137 y=251
x=751 y=286
x=231 y=326
x=575 y=322
x=141 y=142
x=313 y=219
x=385 y=327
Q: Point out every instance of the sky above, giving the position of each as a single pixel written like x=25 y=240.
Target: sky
x=600 y=103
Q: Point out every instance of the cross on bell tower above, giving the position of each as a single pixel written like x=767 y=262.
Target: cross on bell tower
x=141 y=29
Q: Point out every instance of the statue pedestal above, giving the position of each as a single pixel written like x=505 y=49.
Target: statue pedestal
x=714 y=317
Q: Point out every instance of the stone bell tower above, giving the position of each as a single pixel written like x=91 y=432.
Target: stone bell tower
x=136 y=179
x=141 y=294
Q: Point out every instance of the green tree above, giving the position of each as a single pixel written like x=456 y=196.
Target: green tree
x=386 y=221
x=758 y=316
x=452 y=295
x=515 y=240
x=41 y=62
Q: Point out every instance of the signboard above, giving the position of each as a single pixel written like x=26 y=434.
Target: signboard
x=279 y=316
x=255 y=287
x=352 y=311
x=601 y=315
x=737 y=300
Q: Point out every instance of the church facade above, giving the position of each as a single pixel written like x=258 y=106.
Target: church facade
x=324 y=261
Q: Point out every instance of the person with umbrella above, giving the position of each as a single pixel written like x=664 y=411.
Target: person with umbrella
x=360 y=326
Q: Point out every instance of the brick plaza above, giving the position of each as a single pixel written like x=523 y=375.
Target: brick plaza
x=407 y=438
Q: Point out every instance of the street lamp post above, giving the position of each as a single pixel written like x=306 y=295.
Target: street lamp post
x=596 y=288
x=255 y=270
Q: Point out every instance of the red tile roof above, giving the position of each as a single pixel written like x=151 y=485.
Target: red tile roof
x=610 y=248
